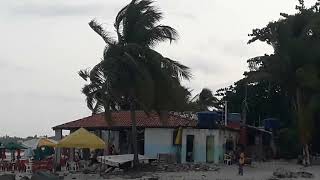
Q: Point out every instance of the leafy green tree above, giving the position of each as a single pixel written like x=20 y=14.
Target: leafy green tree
x=131 y=72
x=294 y=65
x=264 y=100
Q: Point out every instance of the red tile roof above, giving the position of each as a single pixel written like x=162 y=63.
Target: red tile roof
x=122 y=120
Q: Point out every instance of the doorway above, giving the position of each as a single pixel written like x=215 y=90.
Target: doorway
x=190 y=152
x=210 y=149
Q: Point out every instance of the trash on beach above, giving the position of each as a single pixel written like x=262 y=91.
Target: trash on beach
x=283 y=173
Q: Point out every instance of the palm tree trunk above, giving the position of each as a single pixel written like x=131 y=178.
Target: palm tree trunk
x=107 y=113
x=306 y=155
x=300 y=112
x=134 y=134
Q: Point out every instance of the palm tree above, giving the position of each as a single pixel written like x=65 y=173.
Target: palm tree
x=130 y=69
x=204 y=100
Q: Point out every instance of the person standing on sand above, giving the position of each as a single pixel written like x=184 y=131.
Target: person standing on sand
x=241 y=163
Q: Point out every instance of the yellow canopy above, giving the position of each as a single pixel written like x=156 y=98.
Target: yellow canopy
x=47 y=142
x=178 y=139
x=81 y=139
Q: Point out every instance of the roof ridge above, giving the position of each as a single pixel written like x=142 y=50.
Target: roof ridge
x=122 y=120
x=77 y=120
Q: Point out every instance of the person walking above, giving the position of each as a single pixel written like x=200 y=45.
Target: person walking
x=241 y=163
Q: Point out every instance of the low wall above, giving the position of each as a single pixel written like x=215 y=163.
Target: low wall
x=158 y=140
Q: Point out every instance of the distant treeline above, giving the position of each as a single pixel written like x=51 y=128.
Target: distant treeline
x=7 y=139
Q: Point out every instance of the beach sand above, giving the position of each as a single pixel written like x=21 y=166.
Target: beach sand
x=257 y=171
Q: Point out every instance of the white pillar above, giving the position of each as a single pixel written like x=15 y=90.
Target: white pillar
x=116 y=139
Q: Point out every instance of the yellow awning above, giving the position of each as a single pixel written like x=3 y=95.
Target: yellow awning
x=82 y=139
x=47 y=142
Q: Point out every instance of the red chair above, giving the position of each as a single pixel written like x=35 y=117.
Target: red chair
x=2 y=166
x=5 y=166
x=20 y=166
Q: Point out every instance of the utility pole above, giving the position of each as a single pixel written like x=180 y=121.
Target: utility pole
x=245 y=106
x=225 y=113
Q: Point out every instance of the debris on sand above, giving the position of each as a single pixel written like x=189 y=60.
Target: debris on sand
x=304 y=174
x=151 y=178
x=7 y=177
x=272 y=178
x=25 y=178
x=283 y=173
x=186 y=167
x=41 y=175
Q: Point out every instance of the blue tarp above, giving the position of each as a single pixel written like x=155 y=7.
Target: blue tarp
x=271 y=123
x=208 y=119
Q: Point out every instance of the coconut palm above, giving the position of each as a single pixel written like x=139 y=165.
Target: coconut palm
x=131 y=70
x=204 y=100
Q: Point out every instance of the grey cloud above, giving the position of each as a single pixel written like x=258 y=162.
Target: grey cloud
x=55 y=97
x=37 y=95
x=184 y=15
x=198 y=63
x=235 y=48
x=5 y=65
x=55 y=9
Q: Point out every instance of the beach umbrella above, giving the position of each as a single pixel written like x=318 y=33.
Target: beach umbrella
x=14 y=146
x=40 y=142
x=82 y=139
x=47 y=142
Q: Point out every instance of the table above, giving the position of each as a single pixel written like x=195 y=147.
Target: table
x=118 y=160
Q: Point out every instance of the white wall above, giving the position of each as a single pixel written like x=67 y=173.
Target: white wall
x=158 y=140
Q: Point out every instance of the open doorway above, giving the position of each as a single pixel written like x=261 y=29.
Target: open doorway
x=210 y=149
x=190 y=149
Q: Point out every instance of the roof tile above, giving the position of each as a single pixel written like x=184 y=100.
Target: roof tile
x=122 y=119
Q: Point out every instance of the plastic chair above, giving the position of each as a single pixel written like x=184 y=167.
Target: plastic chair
x=72 y=166
x=227 y=159
x=29 y=166
x=2 y=165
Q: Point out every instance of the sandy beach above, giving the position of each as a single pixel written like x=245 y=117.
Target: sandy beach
x=257 y=171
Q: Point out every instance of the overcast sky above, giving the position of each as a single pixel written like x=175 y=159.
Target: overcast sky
x=45 y=42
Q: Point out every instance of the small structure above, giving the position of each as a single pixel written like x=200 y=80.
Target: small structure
x=157 y=136
x=207 y=145
x=257 y=141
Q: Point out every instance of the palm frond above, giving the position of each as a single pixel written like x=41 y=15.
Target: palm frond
x=161 y=33
x=84 y=74
x=149 y=18
x=96 y=27
x=96 y=74
x=177 y=69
